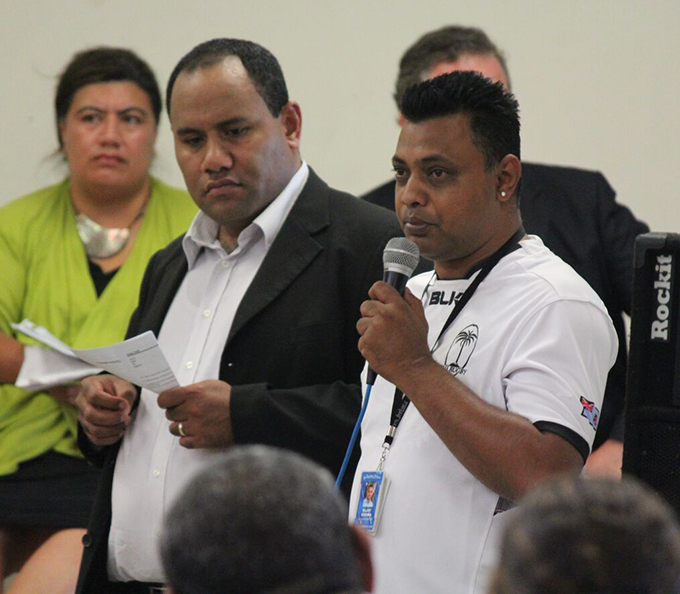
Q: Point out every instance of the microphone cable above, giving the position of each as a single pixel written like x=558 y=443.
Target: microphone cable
x=352 y=440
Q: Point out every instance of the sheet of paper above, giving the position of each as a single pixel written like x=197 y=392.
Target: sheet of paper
x=44 y=336
x=44 y=368
x=139 y=360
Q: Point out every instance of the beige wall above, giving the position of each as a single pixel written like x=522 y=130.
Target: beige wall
x=598 y=80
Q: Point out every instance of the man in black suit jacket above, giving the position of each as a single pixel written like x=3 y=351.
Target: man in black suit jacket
x=286 y=369
x=573 y=211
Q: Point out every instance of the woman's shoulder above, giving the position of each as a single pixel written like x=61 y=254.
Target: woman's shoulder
x=173 y=200
x=35 y=201
x=39 y=204
x=169 y=192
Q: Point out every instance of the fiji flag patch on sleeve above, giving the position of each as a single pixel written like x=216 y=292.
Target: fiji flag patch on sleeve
x=590 y=412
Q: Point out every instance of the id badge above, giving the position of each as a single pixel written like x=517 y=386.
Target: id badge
x=374 y=486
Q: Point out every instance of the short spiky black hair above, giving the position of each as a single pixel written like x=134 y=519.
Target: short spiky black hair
x=263 y=68
x=492 y=111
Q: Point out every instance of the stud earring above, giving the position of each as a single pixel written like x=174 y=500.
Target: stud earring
x=503 y=194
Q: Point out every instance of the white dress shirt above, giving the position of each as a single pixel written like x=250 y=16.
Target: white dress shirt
x=152 y=468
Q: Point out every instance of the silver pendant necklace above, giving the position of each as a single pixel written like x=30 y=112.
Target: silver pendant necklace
x=102 y=242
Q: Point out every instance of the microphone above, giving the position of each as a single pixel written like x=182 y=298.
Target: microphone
x=400 y=258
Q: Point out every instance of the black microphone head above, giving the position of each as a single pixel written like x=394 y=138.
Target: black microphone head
x=401 y=255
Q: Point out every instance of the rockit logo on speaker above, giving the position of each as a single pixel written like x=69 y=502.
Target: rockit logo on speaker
x=662 y=286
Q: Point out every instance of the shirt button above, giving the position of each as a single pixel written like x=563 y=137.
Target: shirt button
x=225 y=263
x=206 y=313
x=156 y=472
x=190 y=364
x=230 y=364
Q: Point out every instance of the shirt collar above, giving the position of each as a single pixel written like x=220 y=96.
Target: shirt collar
x=202 y=232
x=271 y=218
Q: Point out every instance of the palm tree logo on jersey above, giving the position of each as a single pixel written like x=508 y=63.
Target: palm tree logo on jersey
x=461 y=350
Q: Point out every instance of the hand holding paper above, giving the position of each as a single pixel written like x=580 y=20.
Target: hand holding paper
x=104 y=405
x=138 y=360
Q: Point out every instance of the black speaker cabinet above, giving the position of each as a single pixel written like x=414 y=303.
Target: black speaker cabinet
x=652 y=438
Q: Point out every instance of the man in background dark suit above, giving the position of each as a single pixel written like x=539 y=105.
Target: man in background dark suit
x=255 y=309
x=572 y=210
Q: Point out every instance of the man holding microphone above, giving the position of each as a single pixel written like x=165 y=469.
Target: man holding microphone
x=491 y=368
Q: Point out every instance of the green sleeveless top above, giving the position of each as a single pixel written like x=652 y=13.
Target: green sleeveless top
x=44 y=276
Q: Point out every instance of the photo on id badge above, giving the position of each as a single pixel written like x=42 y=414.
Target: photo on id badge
x=369 y=496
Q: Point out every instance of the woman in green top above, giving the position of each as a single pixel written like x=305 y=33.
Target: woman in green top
x=71 y=259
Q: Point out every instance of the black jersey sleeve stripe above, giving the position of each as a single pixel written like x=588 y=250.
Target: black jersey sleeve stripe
x=569 y=434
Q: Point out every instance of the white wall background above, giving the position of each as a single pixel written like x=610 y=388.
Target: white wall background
x=598 y=81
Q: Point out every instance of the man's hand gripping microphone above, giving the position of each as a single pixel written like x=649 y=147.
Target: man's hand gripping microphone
x=400 y=258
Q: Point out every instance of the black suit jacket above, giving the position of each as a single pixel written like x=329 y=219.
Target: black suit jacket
x=576 y=215
x=291 y=355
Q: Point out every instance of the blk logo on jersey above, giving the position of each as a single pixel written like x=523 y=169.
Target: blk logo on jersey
x=590 y=412
x=461 y=350
x=444 y=298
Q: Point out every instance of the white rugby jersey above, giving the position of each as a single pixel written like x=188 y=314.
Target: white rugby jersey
x=536 y=340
